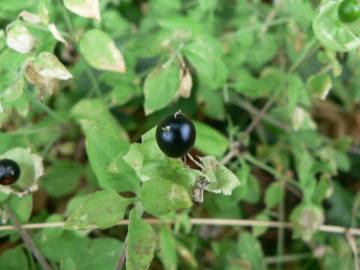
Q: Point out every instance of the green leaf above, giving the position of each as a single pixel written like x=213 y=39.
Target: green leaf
x=62 y=178
x=141 y=243
x=106 y=143
x=84 y=8
x=67 y=264
x=64 y=246
x=250 y=251
x=274 y=194
x=102 y=209
x=161 y=86
x=331 y=32
x=13 y=92
x=319 y=85
x=22 y=207
x=10 y=63
x=167 y=244
x=222 y=180
x=100 y=52
x=100 y=254
x=14 y=259
x=269 y=82
x=160 y=196
x=323 y=190
x=205 y=55
x=209 y=140
x=260 y=230
x=306 y=219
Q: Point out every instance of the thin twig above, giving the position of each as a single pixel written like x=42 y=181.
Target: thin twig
x=204 y=221
x=287 y=258
x=281 y=231
x=121 y=261
x=234 y=148
x=30 y=245
x=352 y=243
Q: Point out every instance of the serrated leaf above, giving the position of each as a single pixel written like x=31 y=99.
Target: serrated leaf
x=222 y=180
x=160 y=196
x=331 y=32
x=209 y=140
x=141 y=245
x=100 y=52
x=274 y=194
x=102 y=209
x=19 y=38
x=161 y=87
x=106 y=144
x=84 y=8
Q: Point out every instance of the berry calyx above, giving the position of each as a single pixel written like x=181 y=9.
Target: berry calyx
x=175 y=135
x=9 y=172
x=349 y=11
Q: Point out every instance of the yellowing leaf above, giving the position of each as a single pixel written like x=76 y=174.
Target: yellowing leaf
x=19 y=38
x=84 y=8
x=47 y=65
x=29 y=17
x=56 y=33
x=99 y=51
x=186 y=83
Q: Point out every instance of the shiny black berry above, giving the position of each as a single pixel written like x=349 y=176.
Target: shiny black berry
x=9 y=172
x=349 y=11
x=175 y=135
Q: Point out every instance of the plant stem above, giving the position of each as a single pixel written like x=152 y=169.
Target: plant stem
x=287 y=258
x=203 y=221
x=122 y=258
x=46 y=109
x=30 y=245
x=280 y=232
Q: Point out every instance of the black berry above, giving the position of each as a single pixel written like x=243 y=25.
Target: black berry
x=175 y=135
x=9 y=172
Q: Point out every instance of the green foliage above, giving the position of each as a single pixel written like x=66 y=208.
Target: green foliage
x=102 y=209
x=271 y=86
x=141 y=243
